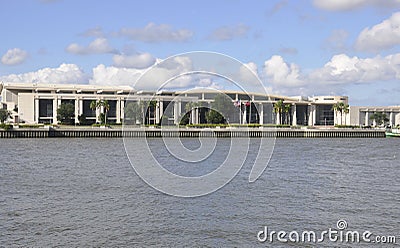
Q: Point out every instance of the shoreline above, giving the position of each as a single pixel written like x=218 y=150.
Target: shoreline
x=98 y=132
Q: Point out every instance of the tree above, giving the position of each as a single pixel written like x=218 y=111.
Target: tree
x=341 y=107
x=189 y=109
x=133 y=112
x=82 y=119
x=106 y=107
x=336 y=108
x=214 y=117
x=94 y=105
x=224 y=105
x=286 y=110
x=221 y=110
x=66 y=113
x=379 y=118
x=4 y=115
x=278 y=109
x=346 y=110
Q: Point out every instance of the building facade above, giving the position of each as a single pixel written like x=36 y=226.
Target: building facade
x=38 y=103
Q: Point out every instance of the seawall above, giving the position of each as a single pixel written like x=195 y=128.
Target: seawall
x=190 y=133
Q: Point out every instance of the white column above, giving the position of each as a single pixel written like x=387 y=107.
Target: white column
x=158 y=111
x=80 y=101
x=161 y=110
x=76 y=110
x=36 y=119
x=123 y=109
x=197 y=115
x=118 y=111
x=55 y=107
x=314 y=114
x=193 y=116
x=366 y=118
x=294 y=115
x=311 y=115
x=98 y=112
x=391 y=118
x=244 y=115
x=58 y=104
x=176 y=113
x=261 y=107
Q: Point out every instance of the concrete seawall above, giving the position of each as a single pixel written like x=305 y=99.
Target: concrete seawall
x=191 y=133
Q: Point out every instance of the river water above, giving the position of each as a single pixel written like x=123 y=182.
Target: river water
x=84 y=192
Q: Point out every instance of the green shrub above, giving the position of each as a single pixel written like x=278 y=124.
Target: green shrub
x=5 y=126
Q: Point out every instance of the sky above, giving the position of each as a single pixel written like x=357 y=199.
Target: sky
x=298 y=47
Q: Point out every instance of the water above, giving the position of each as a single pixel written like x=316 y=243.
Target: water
x=84 y=192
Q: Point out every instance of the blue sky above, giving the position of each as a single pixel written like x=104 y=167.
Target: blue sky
x=315 y=47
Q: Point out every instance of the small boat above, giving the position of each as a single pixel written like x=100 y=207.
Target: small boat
x=393 y=133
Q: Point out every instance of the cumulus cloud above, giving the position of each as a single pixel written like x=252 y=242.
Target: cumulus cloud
x=249 y=73
x=229 y=32
x=149 y=79
x=138 y=61
x=278 y=72
x=111 y=75
x=344 y=69
x=381 y=36
x=98 y=46
x=64 y=74
x=14 y=56
x=340 y=5
x=153 y=33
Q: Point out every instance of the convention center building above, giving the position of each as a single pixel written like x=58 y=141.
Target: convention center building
x=35 y=103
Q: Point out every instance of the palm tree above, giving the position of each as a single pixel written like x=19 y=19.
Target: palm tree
x=94 y=105
x=106 y=107
x=286 y=110
x=336 y=108
x=345 y=110
x=341 y=107
x=278 y=109
x=189 y=109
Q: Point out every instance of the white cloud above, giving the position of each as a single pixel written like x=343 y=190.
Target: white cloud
x=340 y=71
x=249 y=73
x=151 y=80
x=229 y=32
x=381 y=36
x=344 y=69
x=340 y=5
x=98 y=46
x=64 y=74
x=14 y=56
x=138 y=61
x=156 y=33
x=278 y=72
x=112 y=75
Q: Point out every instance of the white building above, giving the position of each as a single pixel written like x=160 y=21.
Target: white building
x=38 y=103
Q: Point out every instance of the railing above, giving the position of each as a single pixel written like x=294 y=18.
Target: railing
x=189 y=133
